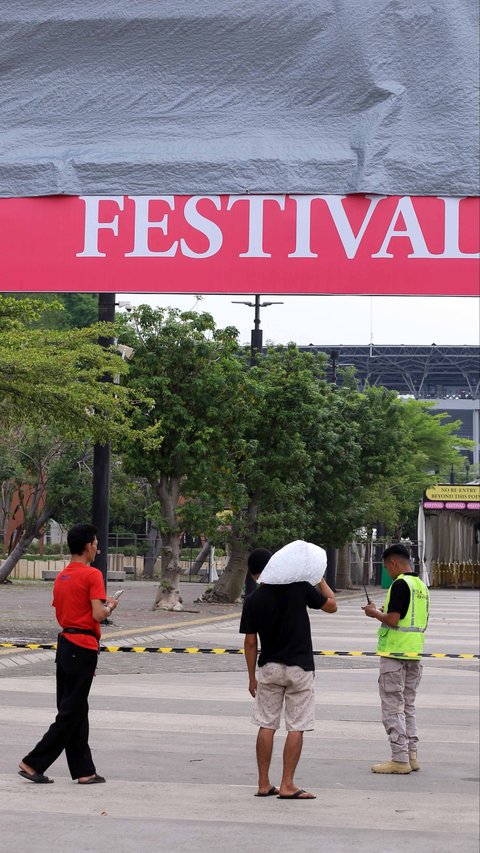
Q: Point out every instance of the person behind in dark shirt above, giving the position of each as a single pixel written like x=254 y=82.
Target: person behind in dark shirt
x=81 y=605
x=286 y=669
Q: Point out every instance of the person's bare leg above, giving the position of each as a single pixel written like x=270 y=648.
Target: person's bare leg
x=291 y=756
x=264 y=757
x=27 y=768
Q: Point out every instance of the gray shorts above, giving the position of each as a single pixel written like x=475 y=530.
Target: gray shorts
x=278 y=682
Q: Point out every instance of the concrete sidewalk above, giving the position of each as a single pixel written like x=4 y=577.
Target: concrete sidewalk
x=172 y=734
x=26 y=609
x=178 y=752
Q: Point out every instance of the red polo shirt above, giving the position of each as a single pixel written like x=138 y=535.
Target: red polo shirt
x=73 y=591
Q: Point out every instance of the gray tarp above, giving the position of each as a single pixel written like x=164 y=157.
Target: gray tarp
x=212 y=96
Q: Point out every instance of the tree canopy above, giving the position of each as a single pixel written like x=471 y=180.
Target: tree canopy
x=253 y=454
x=192 y=376
x=54 y=377
x=63 y=311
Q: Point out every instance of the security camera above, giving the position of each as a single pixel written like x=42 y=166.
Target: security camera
x=126 y=352
x=127 y=305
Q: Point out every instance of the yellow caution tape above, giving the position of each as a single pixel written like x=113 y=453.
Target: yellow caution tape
x=165 y=650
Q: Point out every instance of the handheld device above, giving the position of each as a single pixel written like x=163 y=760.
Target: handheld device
x=366 y=593
x=118 y=593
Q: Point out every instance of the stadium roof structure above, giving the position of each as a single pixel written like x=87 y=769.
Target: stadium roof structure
x=425 y=372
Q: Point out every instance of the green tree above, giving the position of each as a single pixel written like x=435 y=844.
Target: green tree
x=49 y=478
x=53 y=378
x=191 y=373
x=320 y=462
x=429 y=445
x=64 y=310
x=403 y=447
x=55 y=394
x=287 y=423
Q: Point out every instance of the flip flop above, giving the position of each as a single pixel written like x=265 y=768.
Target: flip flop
x=273 y=792
x=39 y=778
x=94 y=780
x=296 y=796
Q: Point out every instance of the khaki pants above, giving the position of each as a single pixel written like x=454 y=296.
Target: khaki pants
x=397 y=684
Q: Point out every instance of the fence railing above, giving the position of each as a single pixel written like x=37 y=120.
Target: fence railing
x=131 y=566
x=456 y=575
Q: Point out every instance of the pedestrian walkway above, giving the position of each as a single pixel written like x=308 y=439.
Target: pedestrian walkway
x=177 y=747
x=178 y=752
x=452 y=629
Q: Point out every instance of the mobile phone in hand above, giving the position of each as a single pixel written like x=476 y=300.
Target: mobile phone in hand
x=117 y=594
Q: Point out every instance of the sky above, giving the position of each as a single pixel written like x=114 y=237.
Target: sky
x=325 y=320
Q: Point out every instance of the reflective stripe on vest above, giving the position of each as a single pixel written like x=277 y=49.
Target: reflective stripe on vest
x=409 y=628
x=406 y=639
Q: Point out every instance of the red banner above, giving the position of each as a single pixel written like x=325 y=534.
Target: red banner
x=390 y=245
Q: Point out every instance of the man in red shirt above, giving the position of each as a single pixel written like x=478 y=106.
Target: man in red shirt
x=81 y=604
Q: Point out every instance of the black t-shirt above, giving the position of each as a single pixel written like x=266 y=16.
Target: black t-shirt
x=399 y=598
x=278 y=614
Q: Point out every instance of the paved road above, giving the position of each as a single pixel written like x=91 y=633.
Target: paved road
x=173 y=736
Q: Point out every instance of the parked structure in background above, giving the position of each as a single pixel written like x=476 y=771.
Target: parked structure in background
x=447 y=376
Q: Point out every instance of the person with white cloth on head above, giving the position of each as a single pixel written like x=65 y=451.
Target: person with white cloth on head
x=291 y=582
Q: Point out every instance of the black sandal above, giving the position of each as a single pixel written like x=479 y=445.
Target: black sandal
x=297 y=795
x=38 y=778
x=273 y=792
x=93 y=781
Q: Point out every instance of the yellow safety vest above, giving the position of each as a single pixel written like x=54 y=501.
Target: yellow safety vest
x=405 y=641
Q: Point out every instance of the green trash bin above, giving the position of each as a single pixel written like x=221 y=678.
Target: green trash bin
x=386 y=579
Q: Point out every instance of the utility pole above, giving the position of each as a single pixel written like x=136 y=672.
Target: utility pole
x=331 y=570
x=101 y=457
x=256 y=345
x=334 y=360
x=256 y=341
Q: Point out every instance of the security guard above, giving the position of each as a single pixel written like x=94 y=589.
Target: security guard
x=404 y=619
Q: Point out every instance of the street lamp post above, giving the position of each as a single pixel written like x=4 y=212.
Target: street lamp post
x=101 y=457
x=331 y=570
x=256 y=340
x=256 y=345
x=334 y=360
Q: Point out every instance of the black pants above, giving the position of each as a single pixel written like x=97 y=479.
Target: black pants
x=75 y=670
x=250 y=584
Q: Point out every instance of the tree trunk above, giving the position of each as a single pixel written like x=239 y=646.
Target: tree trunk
x=168 y=593
x=6 y=492
x=154 y=541
x=201 y=557
x=31 y=532
x=344 y=580
x=229 y=586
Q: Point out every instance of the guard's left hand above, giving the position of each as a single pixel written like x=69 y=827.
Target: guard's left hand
x=370 y=609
